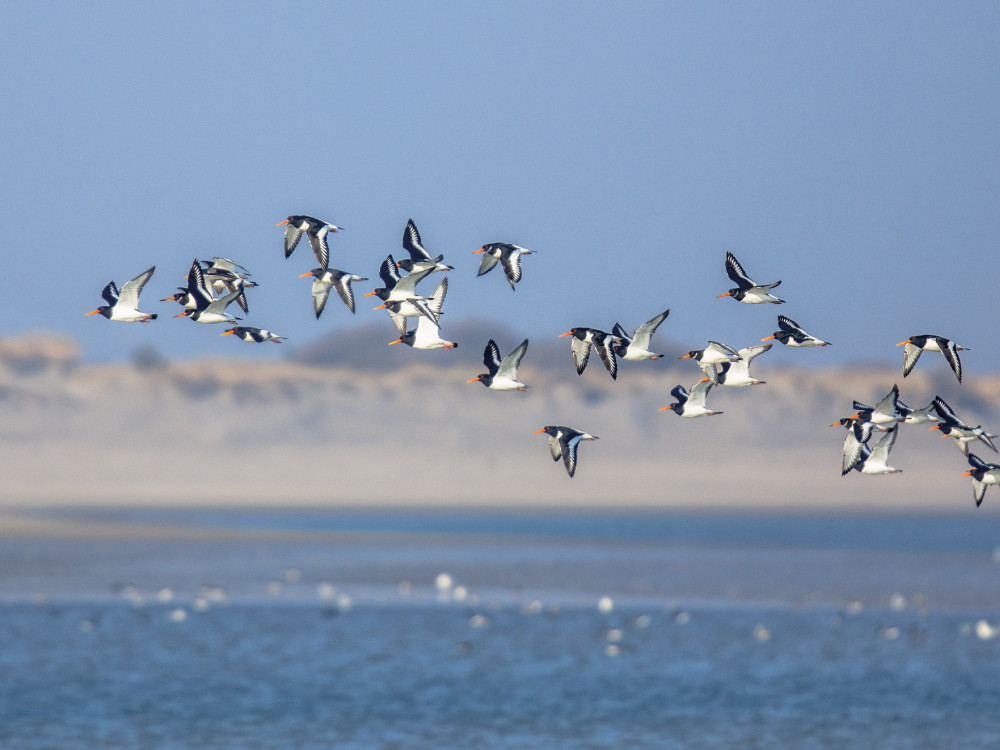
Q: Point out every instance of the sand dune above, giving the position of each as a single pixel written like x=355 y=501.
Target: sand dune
x=243 y=432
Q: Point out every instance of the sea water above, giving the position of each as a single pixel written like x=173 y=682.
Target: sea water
x=501 y=630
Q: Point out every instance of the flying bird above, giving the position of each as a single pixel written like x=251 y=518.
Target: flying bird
x=692 y=404
x=583 y=340
x=317 y=231
x=792 y=334
x=859 y=432
x=419 y=259
x=712 y=355
x=917 y=345
x=502 y=373
x=963 y=434
x=747 y=290
x=253 y=335
x=325 y=279
x=123 y=306
x=427 y=334
x=563 y=443
x=207 y=309
x=876 y=460
x=636 y=347
x=509 y=257
x=224 y=275
x=982 y=474
x=737 y=372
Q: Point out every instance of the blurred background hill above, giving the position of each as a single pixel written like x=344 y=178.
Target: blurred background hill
x=346 y=420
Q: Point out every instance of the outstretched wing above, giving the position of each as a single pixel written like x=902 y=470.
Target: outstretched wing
x=110 y=293
x=292 y=236
x=736 y=272
x=412 y=243
x=911 y=353
x=511 y=261
x=317 y=238
x=581 y=353
x=320 y=294
x=951 y=354
x=491 y=357
x=607 y=355
x=644 y=332
x=509 y=364
x=487 y=263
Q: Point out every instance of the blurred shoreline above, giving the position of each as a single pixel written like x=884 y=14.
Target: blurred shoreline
x=415 y=434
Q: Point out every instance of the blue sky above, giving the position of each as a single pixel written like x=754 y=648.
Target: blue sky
x=849 y=149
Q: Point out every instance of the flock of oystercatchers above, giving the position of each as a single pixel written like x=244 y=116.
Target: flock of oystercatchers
x=211 y=286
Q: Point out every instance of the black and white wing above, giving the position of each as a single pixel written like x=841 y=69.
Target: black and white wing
x=950 y=351
x=787 y=324
x=110 y=293
x=412 y=243
x=569 y=453
x=407 y=285
x=491 y=357
x=508 y=366
x=510 y=258
x=389 y=272
x=556 y=446
x=321 y=293
x=318 y=240
x=911 y=353
x=436 y=301
x=880 y=453
x=342 y=283
x=737 y=274
x=858 y=434
x=620 y=333
x=581 y=353
x=196 y=287
x=699 y=392
x=644 y=333
x=945 y=412
x=129 y=294
x=490 y=259
x=293 y=233
x=607 y=354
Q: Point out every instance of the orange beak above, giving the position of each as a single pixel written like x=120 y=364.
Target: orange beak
x=686 y=356
x=935 y=427
x=768 y=338
x=474 y=380
x=719 y=296
x=666 y=408
x=181 y=314
x=368 y=294
x=307 y=273
x=568 y=333
x=397 y=341
x=966 y=474
x=536 y=432
x=480 y=250
x=380 y=307
x=282 y=223
x=92 y=312
x=226 y=333
x=903 y=342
